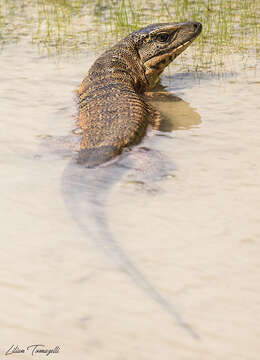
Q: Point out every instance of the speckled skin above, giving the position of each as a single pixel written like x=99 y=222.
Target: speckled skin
x=112 y=110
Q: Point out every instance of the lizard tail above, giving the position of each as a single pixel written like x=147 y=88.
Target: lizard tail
x=85 y=192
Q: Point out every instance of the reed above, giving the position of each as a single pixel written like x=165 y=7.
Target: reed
x=66 y=27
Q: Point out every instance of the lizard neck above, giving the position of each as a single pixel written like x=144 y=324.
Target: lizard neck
x=124 y=64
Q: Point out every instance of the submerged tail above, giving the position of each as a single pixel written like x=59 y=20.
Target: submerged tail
x=89 y=188
x=92 y=157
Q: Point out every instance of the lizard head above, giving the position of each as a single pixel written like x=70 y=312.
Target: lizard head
x=159 y=44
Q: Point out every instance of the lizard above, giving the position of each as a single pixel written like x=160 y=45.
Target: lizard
x=113 y=113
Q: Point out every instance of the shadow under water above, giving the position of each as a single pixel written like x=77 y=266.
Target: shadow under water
x=85 y=193
x=176 y=113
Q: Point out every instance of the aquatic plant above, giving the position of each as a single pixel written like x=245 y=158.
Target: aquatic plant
x=72 y=26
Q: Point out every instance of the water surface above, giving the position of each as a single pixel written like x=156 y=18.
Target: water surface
x=194 y=234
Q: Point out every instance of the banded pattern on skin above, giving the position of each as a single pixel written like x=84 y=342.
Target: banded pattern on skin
x=112 y=112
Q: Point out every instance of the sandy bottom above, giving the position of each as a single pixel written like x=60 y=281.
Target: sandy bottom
x=195 y=235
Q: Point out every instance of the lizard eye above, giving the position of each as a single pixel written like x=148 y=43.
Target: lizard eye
x=162 y=37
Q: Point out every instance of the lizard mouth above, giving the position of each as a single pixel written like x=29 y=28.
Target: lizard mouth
x=155 y=65
x=168 y=55
x=197 y=28
x=176 y=51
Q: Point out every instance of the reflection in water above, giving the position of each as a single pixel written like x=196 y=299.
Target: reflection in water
x=177 y=113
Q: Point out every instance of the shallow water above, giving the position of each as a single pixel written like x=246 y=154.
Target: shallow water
x=194 y=234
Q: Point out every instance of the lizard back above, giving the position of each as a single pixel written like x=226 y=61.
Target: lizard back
x=112 y=110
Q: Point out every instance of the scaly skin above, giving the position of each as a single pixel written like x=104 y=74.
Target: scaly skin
x=113 y=113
